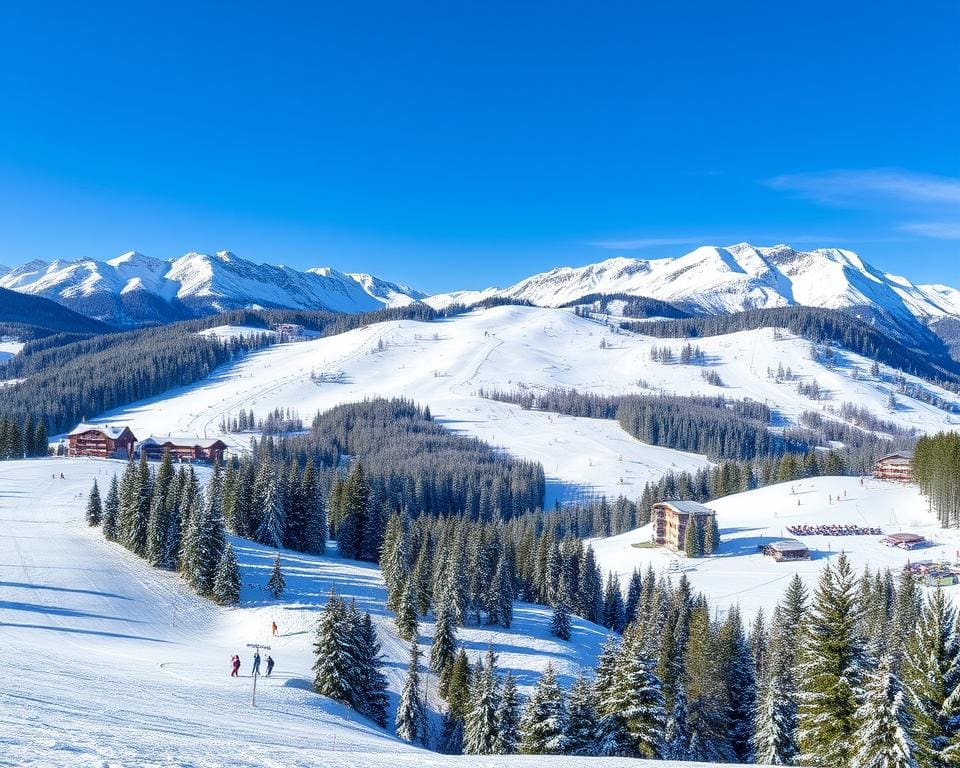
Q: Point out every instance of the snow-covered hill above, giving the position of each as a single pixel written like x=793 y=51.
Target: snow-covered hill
x=713 y=279
x=112 y=662
x=740 y=575
x=444 y=364
x=133 y=288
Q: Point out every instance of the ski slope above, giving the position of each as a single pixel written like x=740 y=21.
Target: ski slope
x=113 y=663
x=740 y=575
x=445 y=363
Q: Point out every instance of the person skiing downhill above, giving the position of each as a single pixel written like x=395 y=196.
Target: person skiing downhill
x=235 y=661
x=256 y=663
x=273 y=629
x=269 y=665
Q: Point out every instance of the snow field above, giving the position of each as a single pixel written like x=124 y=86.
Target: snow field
x=444 y=364
x=740 y=575
x=119 y=664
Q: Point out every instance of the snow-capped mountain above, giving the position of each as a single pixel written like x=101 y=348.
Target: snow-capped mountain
x=136 y=289
x=739 y=277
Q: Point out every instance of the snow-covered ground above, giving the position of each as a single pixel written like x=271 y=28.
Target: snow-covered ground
x=113 y=663
x=445 y=363
x=9 y=348
x=740 y=574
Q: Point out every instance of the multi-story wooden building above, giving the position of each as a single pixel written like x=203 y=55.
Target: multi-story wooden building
x=183 y=448
x=671 y=518
x=895 y=466
x=101 y=440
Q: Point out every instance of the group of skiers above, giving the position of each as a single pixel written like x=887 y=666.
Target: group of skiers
x=235 y=662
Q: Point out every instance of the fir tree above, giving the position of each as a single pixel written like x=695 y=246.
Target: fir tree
x=693 y=544
x=831 y=670
x=270 y=502
x=773 y=742
x=444 y=647
x=372 y=684
x=411 y=720
x=883 y=735
x=334 y=671
x=157 y=526
x=407 y=612
x=560 y=622
x=94 y=507
x=111 y=510
x=931 y=675
x=276 y=584
x=581 y=717
x=508 y=717
x=480 y=727
x=636 y=698
x=226 y=581
x=544 y=722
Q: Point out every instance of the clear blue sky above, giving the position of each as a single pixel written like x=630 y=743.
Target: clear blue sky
x=455 y=145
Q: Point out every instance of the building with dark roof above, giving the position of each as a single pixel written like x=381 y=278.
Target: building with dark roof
x=671 y=518
x=101 y=440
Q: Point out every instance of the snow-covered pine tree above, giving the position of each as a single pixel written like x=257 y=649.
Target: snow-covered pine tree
x=226 y=582
x=276 y=584
x=209 y=540
x=411 y=720
x=882 y=738
x=711 y=534
x=693 y=538
x=395 y=558
x=831 y=670
x=94 y=506
x=773 y=742
x=500 y=596
x=543 y=725
x=634 y=593
x=906 y=611
x=508 y=717
x=422 y=578
x=334 y=670
x=407 y=612
x=111 y=510
x=354 y=511
x=444 y=647
x=480 y=726
x=315 y=532
x=140 y=508
x=157 y=524
x=270 y=501
x=560 y=622
x=581 y=717
x=677 y=737
x=613 y=611
x=637 y=698
x=736 y=659
x=372 y=682
x=931 y=677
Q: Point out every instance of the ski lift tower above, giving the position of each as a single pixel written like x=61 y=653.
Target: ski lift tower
x=256 y=672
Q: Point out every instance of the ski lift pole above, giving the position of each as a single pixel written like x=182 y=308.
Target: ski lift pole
x=256 y=670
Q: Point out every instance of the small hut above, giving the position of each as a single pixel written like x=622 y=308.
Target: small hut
x=905 y=541
x=786 y=550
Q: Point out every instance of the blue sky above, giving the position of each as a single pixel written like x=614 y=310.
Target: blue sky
x=455 y=145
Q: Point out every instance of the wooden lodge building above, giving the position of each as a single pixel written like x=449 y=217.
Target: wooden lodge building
x=786 y=550
x=101 y=440
x=670 y=520
x=183 y=448
x=895 y=466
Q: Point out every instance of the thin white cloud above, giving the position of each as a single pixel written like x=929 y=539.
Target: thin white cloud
x=865 y=188
x=941 y=230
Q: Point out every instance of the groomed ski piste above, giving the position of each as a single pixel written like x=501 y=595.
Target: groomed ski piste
x=110 y=662
x=445 y=363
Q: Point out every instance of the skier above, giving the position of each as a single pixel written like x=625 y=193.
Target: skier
x=269 y=665
x=61 y=476
x=273 y=629
x=235 y=661
x=256 y=663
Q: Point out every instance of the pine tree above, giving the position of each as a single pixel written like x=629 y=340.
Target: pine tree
x=226 y=582
x=508 y=717
x=480 y=729
x=407 y=612
x=773 y=742
x=411 y=720
x=693 y=538
x=831 y=670
x=931 y=676
x=395 y=559
x=111 y=510
x=544 y=722
x=277 y=584
x=354 y=511
x=315 y=533
x=158 y=525
x=334 y=670
x=883 y=736
x=581 y=717
x=613 y=611
x=444 y=647
x=270 y=501
x=711 y=531
x=560 y=622
x=636 y=698
x=94 y=507
x=372 y=683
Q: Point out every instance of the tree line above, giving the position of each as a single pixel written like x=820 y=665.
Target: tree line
x=936 y=469
x=27 y=439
